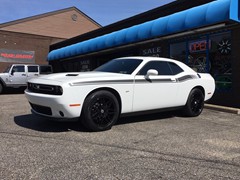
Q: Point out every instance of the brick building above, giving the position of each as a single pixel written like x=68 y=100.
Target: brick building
x=27 y=40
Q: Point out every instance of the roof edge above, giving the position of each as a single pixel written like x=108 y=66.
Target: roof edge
x=196 y=17
x=161 y=11
x=46 y=15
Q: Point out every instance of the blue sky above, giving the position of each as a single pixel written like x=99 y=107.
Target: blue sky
x=103 y=11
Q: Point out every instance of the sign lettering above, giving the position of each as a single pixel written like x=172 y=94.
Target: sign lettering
x=17 y=56
x=155 y=51
x=197 y=46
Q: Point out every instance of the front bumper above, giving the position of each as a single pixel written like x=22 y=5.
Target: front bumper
x=54 y=106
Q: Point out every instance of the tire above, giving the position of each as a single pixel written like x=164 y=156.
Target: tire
x=195 y=103
x=100 y=111
x=1 y=88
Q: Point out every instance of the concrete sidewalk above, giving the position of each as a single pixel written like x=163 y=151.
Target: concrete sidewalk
x=222 y=108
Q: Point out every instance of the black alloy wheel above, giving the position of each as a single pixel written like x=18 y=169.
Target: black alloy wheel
x=195 y=103
x=100 y=111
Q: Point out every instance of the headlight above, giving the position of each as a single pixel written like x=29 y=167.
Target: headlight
x=45 y=89
x=58 y=90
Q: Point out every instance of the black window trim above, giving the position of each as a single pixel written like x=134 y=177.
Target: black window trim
x=168 y=63
x=16 y=66
x=32 y=66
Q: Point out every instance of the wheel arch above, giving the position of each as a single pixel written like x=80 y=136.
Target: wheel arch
x=201 y=88
x=113 y=91
x=2 y=82
x=195 y=87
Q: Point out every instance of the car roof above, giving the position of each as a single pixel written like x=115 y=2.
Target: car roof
x=148 y=58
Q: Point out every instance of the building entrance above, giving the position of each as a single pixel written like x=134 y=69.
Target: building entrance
x=207 y=54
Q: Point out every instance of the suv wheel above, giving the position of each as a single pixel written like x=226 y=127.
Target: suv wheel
x=1 y=88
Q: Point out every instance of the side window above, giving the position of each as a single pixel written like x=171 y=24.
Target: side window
x=161 y=66
x=175 y=68
x=18 y=69
x=45 y=69
x=33 y=69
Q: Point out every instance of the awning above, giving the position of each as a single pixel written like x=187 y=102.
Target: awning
x=200 y=16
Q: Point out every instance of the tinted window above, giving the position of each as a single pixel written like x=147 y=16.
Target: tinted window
x=123 y=66
x=32 y=68
x=18 y=69
x=161 y=66
x=175 y=68
x=45 y=69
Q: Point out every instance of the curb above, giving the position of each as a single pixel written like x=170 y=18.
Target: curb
x=222 y=108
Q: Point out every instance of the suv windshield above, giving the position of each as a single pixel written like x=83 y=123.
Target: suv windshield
x=123 y=66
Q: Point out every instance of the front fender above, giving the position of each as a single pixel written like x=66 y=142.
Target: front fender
x=2 y=82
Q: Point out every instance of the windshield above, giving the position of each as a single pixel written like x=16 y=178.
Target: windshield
x=123 y=66
x=7 y=69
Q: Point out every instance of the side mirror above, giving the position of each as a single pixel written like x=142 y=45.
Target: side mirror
x=151 y=72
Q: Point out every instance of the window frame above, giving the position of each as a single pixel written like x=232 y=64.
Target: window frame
x=171 y=72
x=32 y=71
x=16 y=67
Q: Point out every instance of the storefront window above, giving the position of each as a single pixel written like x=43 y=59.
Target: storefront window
x=76 y=66
x=178 y=51
x=220 y=58
x=197 y=54
x=211 y=54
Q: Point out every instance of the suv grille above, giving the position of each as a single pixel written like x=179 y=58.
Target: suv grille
x=45 y=89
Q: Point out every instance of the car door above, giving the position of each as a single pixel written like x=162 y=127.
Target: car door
x=18 y=75
x=155 y=91
x=32 y=71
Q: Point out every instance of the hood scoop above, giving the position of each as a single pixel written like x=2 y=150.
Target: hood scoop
x=72 y=74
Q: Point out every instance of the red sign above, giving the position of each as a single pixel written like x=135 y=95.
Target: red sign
x=197 y=46
x=17 y=56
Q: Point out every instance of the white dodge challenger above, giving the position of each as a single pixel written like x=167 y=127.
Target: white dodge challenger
x=121 y=86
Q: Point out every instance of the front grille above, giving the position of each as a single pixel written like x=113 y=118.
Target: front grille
x=45 y=89
x=41 y=109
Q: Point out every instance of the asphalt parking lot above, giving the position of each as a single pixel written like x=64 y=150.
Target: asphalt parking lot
x=159 y=146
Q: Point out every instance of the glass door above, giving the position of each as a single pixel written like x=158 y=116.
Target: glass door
x=197 y=57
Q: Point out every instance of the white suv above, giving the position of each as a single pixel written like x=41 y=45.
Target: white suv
x=17 y=75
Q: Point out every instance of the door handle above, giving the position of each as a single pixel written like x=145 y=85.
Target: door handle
x=23 y=74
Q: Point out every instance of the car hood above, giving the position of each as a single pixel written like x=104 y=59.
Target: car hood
x=79 y=77
x=3 y=74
